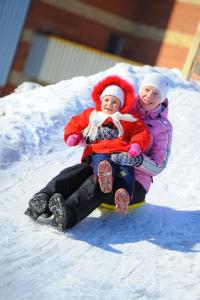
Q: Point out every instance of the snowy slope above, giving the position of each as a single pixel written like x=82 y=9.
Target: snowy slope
x=152 y=253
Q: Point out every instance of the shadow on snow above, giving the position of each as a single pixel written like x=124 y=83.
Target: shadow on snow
x=162 y=226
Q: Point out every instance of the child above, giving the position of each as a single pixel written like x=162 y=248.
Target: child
x=110 y=128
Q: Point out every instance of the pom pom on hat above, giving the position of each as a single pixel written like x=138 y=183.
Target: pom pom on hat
x=158 y=81
x=114 y=90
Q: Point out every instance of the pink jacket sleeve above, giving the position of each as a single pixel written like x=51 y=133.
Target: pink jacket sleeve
x=156 y=159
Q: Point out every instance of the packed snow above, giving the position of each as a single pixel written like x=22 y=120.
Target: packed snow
x=151 y=253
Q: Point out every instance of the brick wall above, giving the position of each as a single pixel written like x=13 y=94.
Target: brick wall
x=157 y=32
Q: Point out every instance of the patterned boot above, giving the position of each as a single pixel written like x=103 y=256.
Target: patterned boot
x=38 y=205
x=63 y=214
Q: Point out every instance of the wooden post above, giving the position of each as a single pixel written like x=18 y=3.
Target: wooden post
x=191 y=63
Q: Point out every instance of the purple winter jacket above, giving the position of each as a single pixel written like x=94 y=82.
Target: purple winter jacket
x=155 y=159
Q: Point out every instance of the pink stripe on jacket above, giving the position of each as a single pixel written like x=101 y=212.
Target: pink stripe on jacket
x=155 y=159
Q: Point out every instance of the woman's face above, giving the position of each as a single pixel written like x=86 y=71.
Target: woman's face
x=110 y=105
x=149 y=97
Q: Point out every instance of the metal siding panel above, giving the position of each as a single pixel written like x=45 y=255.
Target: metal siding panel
x=52 y=60
x=63 y=66
x=54 y=57
x=58 y=58
x=36 y=56
x=51 y=68
x=12 y=17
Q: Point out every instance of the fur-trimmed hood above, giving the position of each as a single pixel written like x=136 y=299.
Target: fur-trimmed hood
x=129 y=94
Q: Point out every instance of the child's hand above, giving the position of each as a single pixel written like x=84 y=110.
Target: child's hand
x=73 y=140
x=134 y=150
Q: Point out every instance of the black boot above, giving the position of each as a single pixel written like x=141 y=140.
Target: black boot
x=63 y=215
x=38 y=205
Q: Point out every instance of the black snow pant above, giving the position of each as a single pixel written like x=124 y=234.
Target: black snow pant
x=81 y=192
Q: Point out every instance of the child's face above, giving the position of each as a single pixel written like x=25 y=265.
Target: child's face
x=110 y=105
x=149 y=97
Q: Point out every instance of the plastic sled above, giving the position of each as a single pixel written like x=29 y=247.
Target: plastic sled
x=130 y=207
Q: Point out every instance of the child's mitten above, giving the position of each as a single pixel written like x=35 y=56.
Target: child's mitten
x=73 y=140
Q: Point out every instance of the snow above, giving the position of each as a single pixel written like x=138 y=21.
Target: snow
x=151 y=253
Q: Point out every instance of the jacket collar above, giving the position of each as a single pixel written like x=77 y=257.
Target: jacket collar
x=158 y=112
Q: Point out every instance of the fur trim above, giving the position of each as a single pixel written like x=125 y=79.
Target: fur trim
x=129 y=95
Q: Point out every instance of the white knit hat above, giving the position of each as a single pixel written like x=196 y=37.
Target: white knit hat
x=114 y=90
x=158 y=81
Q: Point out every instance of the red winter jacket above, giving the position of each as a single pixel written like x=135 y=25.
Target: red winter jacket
x=134 y=132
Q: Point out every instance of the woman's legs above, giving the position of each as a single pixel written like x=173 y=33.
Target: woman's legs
x=89 y=197
x=139 y=193
x=65 y=183
x=68 y=180
x=71 y=211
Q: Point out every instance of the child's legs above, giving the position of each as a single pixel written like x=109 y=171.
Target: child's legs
x=68 y=180
x=104 y=170
x=125 y=179
x=97 y=158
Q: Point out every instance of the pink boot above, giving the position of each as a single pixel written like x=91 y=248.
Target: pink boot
x=122 y=200
x=105 y=176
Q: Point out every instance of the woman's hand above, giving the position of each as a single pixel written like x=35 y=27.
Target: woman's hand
x=134 y=150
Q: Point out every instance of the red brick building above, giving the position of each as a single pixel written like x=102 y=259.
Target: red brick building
x=156 y=32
